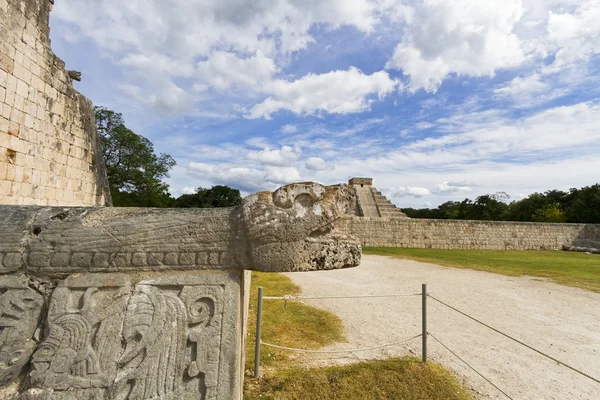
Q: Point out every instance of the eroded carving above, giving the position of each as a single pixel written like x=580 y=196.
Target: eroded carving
x=291 y=229
x=77 y=359
x=155 y=337
x=20 y=309
x=174 y=335
x=172 y=340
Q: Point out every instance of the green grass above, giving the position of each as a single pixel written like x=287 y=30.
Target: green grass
x=566 y=268
x=395 y=378
x=298 y=325
x=307 y=327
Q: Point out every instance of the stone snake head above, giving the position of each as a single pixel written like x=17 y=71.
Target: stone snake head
x=294 y=228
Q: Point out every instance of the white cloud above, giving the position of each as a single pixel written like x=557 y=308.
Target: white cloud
x=413 y=191
x=223 y=70
x=244 y=178
x=220 y=45
x=261 y=142
x=575 y=34
x=462 y=37
x=188 y=190
x=286 y=155
x=534 y=89
x=455 y=186
x=282 y=175
x=335 y=92
x=289 y=128
x=523 y=86
x=424 y=125
x=318 y=164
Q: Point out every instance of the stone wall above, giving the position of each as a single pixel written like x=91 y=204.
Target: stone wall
x=459 y=234
x=49 y=150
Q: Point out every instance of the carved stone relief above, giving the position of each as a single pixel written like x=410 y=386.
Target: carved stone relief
x=172 y=335
x=20 y=310
x=108 y=339
x=77 y=358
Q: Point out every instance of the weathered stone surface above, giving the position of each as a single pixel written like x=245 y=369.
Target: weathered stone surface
x=49 y=147
x=20 y=310
x=468 y=235
x=136 y=318
x=169 y=337
x=292 y=229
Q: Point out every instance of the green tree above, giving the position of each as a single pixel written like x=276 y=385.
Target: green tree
x=490 y=207
x=550 y=213
x=217 y=196
x=135 y=172
x=584 y=205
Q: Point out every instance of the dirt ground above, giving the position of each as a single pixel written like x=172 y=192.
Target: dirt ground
x=561 y=321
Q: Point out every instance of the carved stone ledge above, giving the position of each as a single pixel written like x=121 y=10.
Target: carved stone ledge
x=108 y=303
x=292 y=229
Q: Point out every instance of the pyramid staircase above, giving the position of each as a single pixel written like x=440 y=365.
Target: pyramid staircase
x=371 y=203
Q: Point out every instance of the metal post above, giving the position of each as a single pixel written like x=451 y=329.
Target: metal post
x=258 y=333
x=424 y=324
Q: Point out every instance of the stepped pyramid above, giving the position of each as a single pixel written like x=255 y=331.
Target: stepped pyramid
x=371 y=203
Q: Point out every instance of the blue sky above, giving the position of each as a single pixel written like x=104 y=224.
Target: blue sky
x=436 y=100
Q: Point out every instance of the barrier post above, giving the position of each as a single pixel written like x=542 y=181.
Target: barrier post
x=258 y=333
x=424 y=321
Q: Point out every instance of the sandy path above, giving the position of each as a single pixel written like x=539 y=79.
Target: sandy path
x=561 y=321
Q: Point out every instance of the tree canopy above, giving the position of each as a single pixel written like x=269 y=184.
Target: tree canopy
x=217 y=196
x=577 y=205
x=135 y=172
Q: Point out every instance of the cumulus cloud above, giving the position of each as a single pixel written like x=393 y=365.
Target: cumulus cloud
x=413 y=191
x=224 y=70
x=289 y=128
x=245 y=178
x=318 y=164
x=335 y=92
x=458 y=37
x=449 y=186
x=219 y=45
x=286 y=155
x=575 y=34
x=188 y=190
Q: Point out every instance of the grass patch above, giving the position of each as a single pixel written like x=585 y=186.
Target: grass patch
x=395 y=378
x=566 y=268
x=307 y=327
x=298 y=325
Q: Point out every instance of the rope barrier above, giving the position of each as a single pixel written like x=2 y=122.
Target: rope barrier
x=518 y=341
x=468 y=365
x=289 y=297
x=338 y=351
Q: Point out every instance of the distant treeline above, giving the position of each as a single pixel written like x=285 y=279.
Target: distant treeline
x=576 y=205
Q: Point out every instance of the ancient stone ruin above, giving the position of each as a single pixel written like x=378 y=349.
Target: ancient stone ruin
x=104 y=303
x=49 y=148
x=371 y=203
x=377 y=222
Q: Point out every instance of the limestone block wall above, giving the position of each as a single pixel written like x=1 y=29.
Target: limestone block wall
x=459 y=234
x=49 y=150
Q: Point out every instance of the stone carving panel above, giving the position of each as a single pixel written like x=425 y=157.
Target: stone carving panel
x=172 y=335
x=106 y=338
x=77 y=358
x=20 y=310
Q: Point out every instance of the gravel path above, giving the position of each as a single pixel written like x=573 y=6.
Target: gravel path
x=561 y=321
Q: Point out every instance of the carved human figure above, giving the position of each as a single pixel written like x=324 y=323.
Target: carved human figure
x=77 y=359
x=66 y=359
x=154 y=331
